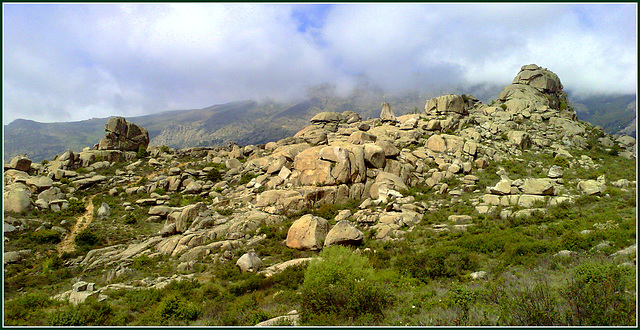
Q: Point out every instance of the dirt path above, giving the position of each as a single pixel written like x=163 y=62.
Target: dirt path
x=68 y=244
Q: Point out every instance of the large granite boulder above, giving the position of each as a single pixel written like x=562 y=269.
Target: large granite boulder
x=307 y=233
x=123 y=135
x=249 y=262
x=20 y=163
x=539 y=78
x=387 y=114
x=344 y=233
x=446 y=104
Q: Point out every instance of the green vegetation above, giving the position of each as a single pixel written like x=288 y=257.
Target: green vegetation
x=343 y=288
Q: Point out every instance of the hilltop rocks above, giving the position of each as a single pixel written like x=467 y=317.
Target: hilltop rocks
x=446 y=104
x=307 y=233
x=327 y=117
x=20 y=163
x=386 y=115
x=538 y=78
x=123 y=135
x=539 y=187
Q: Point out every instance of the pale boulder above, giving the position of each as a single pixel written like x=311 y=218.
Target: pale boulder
x=344 y=233
x=249 y=262
x=307 y=233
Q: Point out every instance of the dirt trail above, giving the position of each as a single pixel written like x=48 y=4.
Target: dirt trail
x=68 y=244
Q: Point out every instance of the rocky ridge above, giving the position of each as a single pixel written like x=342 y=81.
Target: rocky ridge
x=339 y=157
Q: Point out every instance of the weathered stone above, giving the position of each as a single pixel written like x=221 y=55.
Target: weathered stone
x=20 y=163
x=325 y=117
x=104 y=210
x=17 y=200
x=387 y=114
x=344 y=233
x=446 y=103
x=539 y=187
x=374 y=155
x=555 y=172
x=123 y=135
x=361 y=137
x=591 y=187
x=249 y=262
x=307 y=233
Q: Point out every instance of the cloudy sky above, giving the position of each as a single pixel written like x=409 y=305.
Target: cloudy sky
x=68 y=62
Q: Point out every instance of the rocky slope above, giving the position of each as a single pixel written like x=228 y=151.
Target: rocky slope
x=204 y=205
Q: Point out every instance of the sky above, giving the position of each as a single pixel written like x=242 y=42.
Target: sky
x=70 y=62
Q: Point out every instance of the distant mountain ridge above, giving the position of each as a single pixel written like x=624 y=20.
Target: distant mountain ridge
x=252 y=122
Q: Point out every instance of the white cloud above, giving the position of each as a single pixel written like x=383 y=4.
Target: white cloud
x=72 y=62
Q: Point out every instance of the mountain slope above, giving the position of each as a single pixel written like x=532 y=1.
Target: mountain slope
x=614 y=113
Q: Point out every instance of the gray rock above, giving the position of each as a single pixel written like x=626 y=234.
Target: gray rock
x=344 y=233
x=387 y=114
x=20 y=163
x=249 y=262
x=104 y=211
x=17 y=200
x=123 y=135
x=555 y=172
x=591 y=187
x=307 y=233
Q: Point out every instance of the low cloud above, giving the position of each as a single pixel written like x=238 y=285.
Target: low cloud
x=74 y=62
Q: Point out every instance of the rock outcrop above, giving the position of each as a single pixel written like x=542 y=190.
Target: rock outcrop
x=123 y=135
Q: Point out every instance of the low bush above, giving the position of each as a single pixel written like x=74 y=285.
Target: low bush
x=23 y=310
x=87 y=240
x=436 y=262
x=601 y=295
x=342 y=287
x=45 y=236
x=537 y=306
x=174 y=308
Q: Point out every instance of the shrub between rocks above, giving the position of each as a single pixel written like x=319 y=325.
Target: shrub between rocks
x=342 y=287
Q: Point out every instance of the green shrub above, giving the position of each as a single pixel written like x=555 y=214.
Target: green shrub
x=76 y=206
x=130 y=219
x=561 y=161
x=87 y=239
x=290 y=278
x=461 y=298
x=52 y=263
x=537 y=306
x=214 y=175
x=342 y=285
x=70 y=317
x=225 y=212
x=142 y=152
x=601 y=295
x=254 y=282
x=160 y=191
x=174 y=308
x=141 y=262
x=45 y=236
x=165 y=149
x=17 y=310
x=436 y=262
x=246 y=178
x=503 y=106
